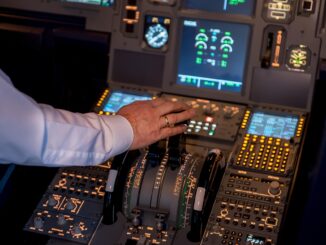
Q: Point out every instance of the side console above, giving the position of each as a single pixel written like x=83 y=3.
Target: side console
x=253 y=197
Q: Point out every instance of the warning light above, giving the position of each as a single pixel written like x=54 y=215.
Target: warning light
x=209 y=119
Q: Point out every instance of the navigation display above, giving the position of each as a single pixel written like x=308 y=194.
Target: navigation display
x=244 y=7
x=120 y=99
x=105 y=3
x=273 y=126
x=213 y=54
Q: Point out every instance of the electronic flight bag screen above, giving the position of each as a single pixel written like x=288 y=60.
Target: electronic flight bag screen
x=213 y=54
x=242 y=7
x=272 y=125
x=120 y=99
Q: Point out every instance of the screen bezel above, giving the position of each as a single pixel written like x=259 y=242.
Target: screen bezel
x=221 y=13
x=190 y=89
x=273 y=113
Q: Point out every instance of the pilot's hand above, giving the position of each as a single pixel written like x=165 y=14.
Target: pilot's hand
x=155 y=120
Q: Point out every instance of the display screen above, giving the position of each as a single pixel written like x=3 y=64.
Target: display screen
x=273 y=126
x=244 y=7
x=255 y=240
x=213 y=54
x=120 y=99
x=95 y=2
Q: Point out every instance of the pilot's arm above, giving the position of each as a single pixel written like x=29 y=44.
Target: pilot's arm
x=38 y=134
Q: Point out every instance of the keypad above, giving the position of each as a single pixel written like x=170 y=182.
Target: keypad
x=264 y=153
x=202 y=128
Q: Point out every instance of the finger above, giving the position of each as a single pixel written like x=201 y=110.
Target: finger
x=168 y=132
x=164 y=122
x=169 y=107
x=157 y=102
x=175 y=118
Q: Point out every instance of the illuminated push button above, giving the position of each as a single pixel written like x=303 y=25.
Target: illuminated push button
x=209 y=119
x=274 y=188
x=211 y=132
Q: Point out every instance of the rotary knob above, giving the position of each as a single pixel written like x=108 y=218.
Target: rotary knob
x=75 y=230
x=136 y=221
x=38 y=222
x=70 y=205
x=208 y=110
x=274 y=188
x=160 y=226
x=61 y=219
x=52 y=202
x=228 y=112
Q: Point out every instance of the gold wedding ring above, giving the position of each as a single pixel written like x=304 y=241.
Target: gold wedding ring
x=167 y=123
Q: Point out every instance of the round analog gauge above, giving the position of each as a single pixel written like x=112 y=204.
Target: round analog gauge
x=156 y=36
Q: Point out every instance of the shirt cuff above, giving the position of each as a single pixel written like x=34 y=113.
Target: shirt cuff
x=122 y=133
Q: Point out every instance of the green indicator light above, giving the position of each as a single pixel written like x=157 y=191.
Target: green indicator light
x=224 y=63
x=227 y=41
x=227 y=33
x=201 y=39
x=200 y=52
x=200 y=46
x=209 y=84
x=202 y=30
x=236 y=2
x=188 y=79
x=225 y=56
x=198 y=60
x=211 y=133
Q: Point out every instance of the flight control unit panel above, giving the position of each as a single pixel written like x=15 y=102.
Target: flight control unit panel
x=248 y=67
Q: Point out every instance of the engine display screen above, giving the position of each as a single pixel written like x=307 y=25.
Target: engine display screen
x=213 y=54
x=105 y=3
x=273 y=126
x=120 y=99
x=244 y=7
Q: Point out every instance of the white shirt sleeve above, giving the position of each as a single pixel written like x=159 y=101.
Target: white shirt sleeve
x=38 y=134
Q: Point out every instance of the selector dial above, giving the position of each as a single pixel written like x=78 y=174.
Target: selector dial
x=61 y=219
x=274 y=188
x=51 y=201
x=70 y=204
x=210 y=109
x=76 y=230
x=38 y=222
